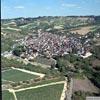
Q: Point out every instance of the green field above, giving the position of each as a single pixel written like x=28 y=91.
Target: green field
x=16 y=76
x=6 y=95
x=42 y=82
x=5 y=82
x=44 y=93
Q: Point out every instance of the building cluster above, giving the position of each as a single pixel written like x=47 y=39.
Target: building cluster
x=49 y=45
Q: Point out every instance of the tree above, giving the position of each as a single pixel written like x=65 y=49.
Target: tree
x=62 y=66
x=96 y=78
x=18 y=50
x=96 y=51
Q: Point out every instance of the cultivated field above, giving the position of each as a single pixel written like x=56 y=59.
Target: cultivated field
x=82 y=30
x=16 y=75
x=84 y=85
x=6 y=95
x=52 y=92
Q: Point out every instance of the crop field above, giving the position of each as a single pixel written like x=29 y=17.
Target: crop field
x=6 y=95
x=16 y=75
x=52 y=92
x=83 y=30
x=84 y=85
x=43 y=82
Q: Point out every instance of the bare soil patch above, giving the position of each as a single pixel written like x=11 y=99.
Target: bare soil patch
x=96 y=63
x=82 y=30
x=84 y=85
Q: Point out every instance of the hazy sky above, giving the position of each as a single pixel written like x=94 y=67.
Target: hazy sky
x=34 y=8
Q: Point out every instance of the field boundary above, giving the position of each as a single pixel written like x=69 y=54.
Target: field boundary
x=29 y=72
x=39 y=86
x=8 y=81
x=6 y=70
x=13 y=92
x=63 y=95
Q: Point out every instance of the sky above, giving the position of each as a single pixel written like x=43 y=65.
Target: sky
x=35 y=8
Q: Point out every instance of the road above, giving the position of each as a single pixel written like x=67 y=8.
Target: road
x=69 y=91
x=63 y=95
x=49 y=84
x=13 y=91
x=30 y=72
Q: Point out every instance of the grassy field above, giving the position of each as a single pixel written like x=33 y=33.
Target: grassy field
x=43 y=60
x=39 y=69
x=6 y=95
x=15 y=75
x=43 y=82
x=5 y=82
x=44 y=93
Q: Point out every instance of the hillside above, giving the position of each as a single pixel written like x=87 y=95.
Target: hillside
x=44 y=52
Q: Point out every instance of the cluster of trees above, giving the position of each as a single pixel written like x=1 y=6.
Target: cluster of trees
x=18 y=50
x=62 y=65
x=96 y=51
x=85 y=65
x=65 y=65
x=95 y=78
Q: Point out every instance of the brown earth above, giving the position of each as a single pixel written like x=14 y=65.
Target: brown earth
x=84 y=85
x=96 y=63
x=82 y=30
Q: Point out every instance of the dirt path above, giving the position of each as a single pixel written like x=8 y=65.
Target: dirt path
x=63 y=95
x=25 y=61
x=13 y=29
x=16 y=29
x=69 y=92
x=6 y=70
x=30 y=72
x=13 y=92
x=54 y=83
x=8 y=81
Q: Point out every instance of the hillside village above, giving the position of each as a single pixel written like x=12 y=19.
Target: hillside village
x=48 y=47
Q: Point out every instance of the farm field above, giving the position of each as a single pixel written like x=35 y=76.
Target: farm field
x=16 y=75
x=43 y=82
x=52 y=92
x=6 y=95
x=83 y=84
x=83 y=30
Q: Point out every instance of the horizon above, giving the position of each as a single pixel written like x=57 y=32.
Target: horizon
x=35 y=8
x=54 y=16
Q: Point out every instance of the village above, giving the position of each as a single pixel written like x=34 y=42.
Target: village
x=50 y=45
x=39 y=59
